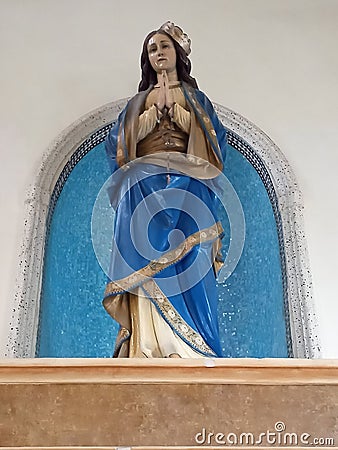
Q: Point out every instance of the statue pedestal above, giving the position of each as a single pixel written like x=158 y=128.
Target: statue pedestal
x=167 y=403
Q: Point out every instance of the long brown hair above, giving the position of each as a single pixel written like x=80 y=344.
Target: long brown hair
x=183 y=65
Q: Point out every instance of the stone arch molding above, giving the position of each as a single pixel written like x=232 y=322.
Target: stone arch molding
x=26 y=302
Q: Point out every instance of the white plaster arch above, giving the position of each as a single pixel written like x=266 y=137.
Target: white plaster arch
x=26 y=302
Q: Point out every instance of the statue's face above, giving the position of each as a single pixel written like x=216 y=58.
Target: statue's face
x=161 y=53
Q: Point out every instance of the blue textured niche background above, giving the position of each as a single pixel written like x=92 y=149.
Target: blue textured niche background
x=73 y=322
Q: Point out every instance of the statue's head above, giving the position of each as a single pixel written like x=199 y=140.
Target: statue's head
x=162 y=53
x=178 y=51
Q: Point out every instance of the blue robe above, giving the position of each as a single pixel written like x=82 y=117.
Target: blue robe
x=166 y=227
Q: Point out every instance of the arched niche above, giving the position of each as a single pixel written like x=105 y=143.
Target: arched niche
x=85 y=137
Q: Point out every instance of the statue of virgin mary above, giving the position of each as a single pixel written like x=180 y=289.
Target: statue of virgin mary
x=165 y=151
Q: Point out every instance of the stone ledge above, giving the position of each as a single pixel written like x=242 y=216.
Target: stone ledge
x=163 y=404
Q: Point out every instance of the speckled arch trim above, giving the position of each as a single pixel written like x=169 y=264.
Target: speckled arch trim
x=271 y=165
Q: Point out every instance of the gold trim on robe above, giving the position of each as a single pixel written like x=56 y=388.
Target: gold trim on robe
x=171 y=316
x=120 y=297
x=167 y=259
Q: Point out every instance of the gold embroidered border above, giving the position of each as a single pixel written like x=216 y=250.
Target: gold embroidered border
x=167 y=259
x=206 y=120
x=174 y=319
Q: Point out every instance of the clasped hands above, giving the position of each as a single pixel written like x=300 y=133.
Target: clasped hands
x=164 y=98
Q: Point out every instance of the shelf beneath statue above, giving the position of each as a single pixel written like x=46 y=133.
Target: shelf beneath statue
x=166 y=403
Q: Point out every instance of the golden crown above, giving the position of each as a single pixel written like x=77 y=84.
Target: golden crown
x=178 y=35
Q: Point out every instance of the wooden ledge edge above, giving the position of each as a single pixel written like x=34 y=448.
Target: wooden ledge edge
x=160 y=371
x=170 y=362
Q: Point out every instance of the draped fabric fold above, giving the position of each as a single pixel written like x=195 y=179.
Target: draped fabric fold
x=166 y=232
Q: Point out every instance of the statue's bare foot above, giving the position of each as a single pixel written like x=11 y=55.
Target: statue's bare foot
x=174 y=355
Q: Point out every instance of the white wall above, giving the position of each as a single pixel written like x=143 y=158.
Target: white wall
x=273 y=61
